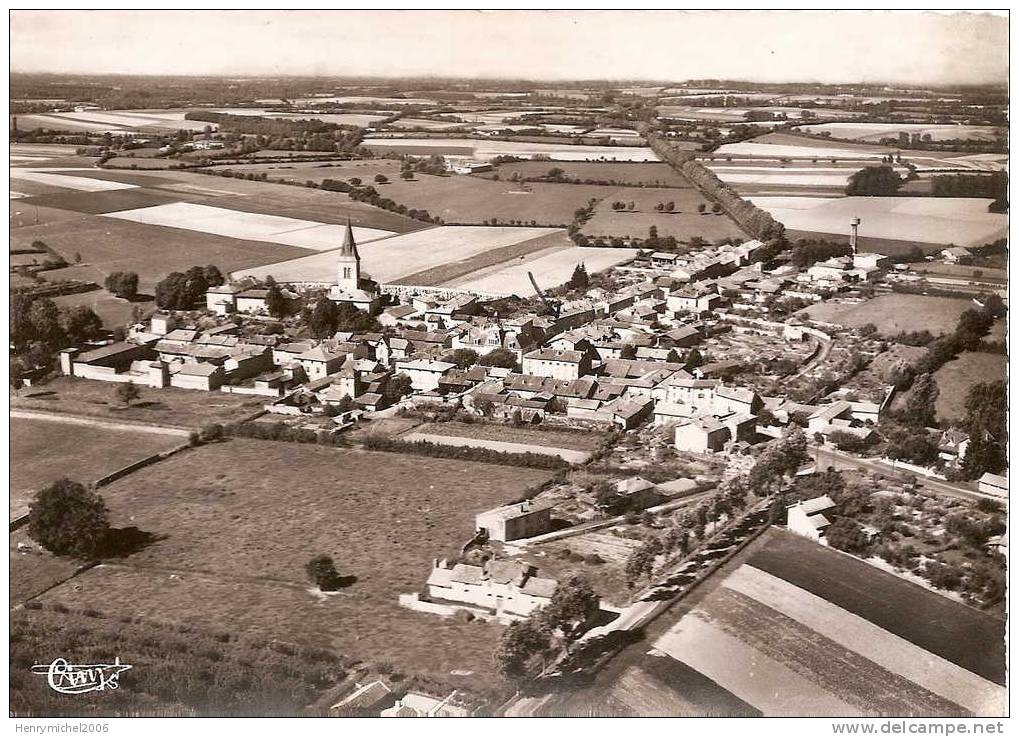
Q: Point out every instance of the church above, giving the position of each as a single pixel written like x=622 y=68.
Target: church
x=350 y=287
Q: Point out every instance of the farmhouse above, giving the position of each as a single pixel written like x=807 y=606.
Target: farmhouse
x=701 y=435
x=320 y=361
x=957 y=255
x=508 y=589
x=515 y=521
x=807 y=518
x=417 y=704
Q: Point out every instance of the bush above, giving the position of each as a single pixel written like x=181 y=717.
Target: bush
x=322 y=571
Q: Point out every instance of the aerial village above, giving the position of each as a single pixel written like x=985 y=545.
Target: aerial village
x=444 y=464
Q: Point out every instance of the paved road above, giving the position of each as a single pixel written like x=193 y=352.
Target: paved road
x=826 y=457
x=24 y=414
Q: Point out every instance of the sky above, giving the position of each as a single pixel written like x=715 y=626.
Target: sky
x=767 y=46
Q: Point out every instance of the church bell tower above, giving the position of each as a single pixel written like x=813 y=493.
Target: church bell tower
x=348 y=269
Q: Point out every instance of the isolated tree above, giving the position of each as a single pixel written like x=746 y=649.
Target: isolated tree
x=694 y=359
x=846 y=534
x=381 y=179
x=521 y=644
x=572 y=604
x=323 y=318
x=322 y=571
x=463 y=357
x=500 y=358
x=920 y=406
x=66 y=518
x=628 y=351
x=670 y=206
x=407 y=174
x=122 y=284
x=673 y=356
x=355 y=181
x=716 y=208
x=396 y=388
x=81 y=323
x=213 y=276
x=128 y=393
x=275 y=302
x=44 y=319
x=77 y=257
x=701 y=208
x=580 y=278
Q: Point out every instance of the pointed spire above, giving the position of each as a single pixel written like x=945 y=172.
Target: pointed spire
x=349 y=247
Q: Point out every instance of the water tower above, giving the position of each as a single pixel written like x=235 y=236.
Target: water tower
x=854 y=226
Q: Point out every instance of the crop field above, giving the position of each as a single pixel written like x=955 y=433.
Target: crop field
x=395 y=258
x=488 y=149
x=874 y=132
x=165 y=235
x=956 y=378
x=893 y=313
x=114 y=121
x=683 y=224
x=473 y=200
x=45 y=450
x=801 y=630
x=247 y=226
x=644 y=174
x=66 y=181
x=962 y=221
x=231 y=549
x=551 y=268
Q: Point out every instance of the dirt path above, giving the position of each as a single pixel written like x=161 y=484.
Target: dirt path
x=24 y=414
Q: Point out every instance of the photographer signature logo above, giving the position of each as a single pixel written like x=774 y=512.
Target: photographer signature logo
x=64 y=677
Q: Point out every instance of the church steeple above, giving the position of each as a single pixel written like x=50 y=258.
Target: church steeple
x=348 y=270
x=349 y=247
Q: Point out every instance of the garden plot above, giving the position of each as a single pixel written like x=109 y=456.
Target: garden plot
x=963 y=221
x=551 y=268
x=247 y=226
x=400 y=256
x=67 y=181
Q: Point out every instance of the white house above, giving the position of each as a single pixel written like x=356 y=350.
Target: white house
x=568 y=365
x=424 y=373
x=993 y=484
x=807 y=518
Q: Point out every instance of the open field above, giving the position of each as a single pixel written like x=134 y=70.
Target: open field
x=317 y=171
x=893 y=313
x=248 y=226
x=963 y=221
x=956 y=378
x=488 y=149
x=171 y=407
x=683 y=224
x=643 y=173
x=473 y=200
x=551 y=269
x=236 y=548
x=874 y=132
x=44 y=450
x=400 y=256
